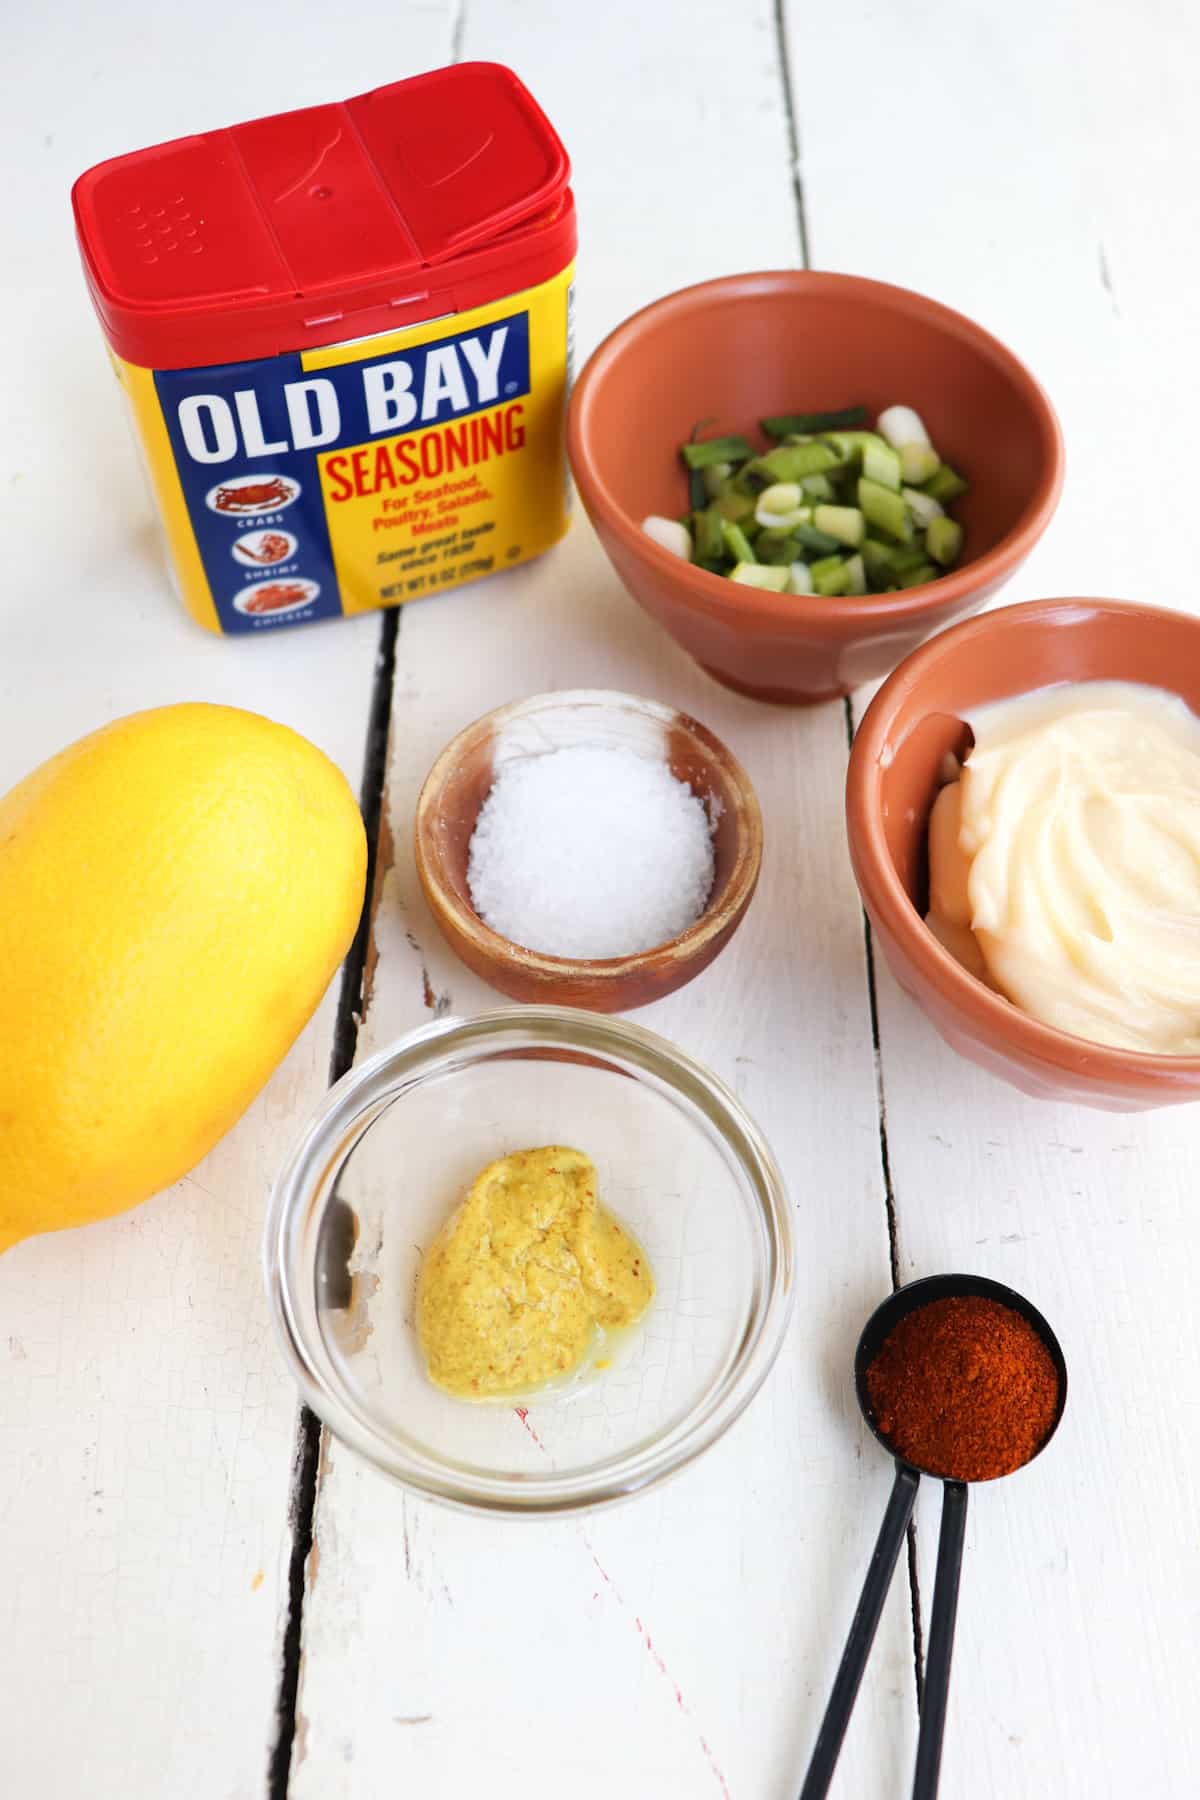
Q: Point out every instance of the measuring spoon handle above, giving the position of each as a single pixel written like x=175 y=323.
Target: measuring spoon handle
x=941 y=1640
x=862 y=1634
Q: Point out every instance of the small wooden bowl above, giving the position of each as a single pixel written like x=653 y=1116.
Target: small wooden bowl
x=460 y=781
x=741 y=347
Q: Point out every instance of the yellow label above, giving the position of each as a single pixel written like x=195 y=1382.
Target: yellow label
x=364 y=474
x=158 y=462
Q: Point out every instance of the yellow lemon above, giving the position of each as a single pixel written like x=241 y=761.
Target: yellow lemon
x=176 y=892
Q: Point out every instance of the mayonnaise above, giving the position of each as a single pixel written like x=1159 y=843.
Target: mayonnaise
x=1065 y=862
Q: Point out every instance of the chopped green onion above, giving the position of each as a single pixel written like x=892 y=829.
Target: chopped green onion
x=781 y=505
x=736 y=542
x=944 y=540
x=879 y=562
x=776 y=545
x=923 y=507
x=791 y=462
x=850 y=445
x=908 y=556
x=816 y=542
x=758 y=575
x=886 y=510
x=707 y=535
x=735 y=506
x=786 y=424
x=881 y=463
x=900 y=425
x=787 y=522
x=715 y=450
x=818 y=487
x=698 y=489
x=845 y=523
x=670 y=534
x=945 y=484
x=917 y=462
x=829 y=576
x=783 y=497
x=714 y=477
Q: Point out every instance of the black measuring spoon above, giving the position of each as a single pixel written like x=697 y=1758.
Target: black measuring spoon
x=878 y=1327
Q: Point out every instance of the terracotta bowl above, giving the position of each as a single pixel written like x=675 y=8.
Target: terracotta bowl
x=747 y=346
x=461 y=780
x=893 y=779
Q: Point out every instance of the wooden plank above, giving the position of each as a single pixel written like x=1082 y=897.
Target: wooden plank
x=682 y=1644
x=146 y=1421
x=1046 y=153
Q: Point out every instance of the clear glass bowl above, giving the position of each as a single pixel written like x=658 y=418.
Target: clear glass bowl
x=391 y=1152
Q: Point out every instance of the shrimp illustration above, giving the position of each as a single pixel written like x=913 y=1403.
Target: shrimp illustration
x=269 y=547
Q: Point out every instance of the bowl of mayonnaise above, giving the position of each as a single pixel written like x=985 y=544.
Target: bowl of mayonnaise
x=1023 y=809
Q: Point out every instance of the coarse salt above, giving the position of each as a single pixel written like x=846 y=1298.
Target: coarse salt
x=590 y=852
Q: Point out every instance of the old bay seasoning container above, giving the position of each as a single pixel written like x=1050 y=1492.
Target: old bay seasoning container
x=344 y=334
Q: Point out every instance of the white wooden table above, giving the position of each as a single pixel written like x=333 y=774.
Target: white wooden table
x=1032 y=164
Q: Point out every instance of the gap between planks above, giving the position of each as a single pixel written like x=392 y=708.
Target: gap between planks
x=351 y=1001
x=886 y=1163
x=889 y=1196
x=893 y=1231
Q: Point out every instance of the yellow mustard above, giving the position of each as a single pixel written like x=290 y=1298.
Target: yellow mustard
x=524 y=1275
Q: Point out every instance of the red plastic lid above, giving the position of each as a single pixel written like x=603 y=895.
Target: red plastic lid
x=424 y=197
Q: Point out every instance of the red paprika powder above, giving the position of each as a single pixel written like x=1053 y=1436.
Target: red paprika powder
x=964 y=1388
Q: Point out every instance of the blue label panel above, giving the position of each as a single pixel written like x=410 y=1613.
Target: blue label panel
x=246 y=438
